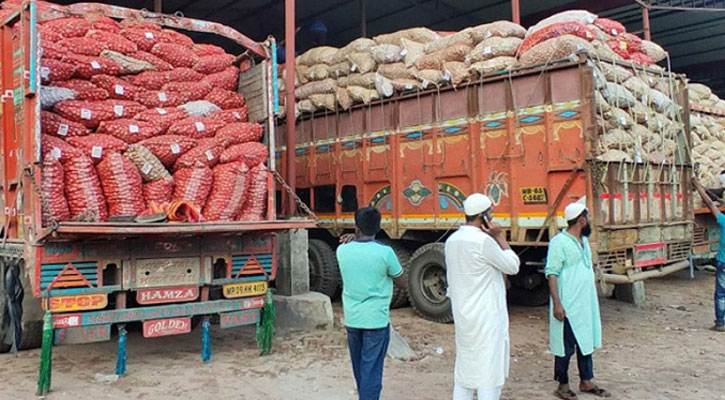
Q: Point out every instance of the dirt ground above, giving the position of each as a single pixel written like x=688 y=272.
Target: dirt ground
x=661 y=351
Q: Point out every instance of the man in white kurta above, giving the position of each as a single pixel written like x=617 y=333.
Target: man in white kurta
x=477 y=257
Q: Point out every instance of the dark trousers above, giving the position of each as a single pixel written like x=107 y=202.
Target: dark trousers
x=720 y=294
x=368 y=348
x=561 y=364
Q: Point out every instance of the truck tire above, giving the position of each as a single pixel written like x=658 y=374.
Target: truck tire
x=632 y=293
x=324 y=271
x=427 y=284
x=400 y=295
x=538 y=296
x=32 y=319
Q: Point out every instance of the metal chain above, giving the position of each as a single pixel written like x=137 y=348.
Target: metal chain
x=291 y=192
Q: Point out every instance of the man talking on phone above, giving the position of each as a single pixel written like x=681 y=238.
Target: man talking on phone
x=477 y=257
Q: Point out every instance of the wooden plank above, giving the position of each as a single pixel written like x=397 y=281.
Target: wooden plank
x=148 y=313
x=238 y=318
x=84 y=334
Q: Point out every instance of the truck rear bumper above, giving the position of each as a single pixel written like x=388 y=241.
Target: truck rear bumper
x=107 y=317
x=638 y=276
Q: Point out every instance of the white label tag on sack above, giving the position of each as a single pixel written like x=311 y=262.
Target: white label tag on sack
x=146 y=168
x=62 y=130
x=237 y=115
x=175 y=149
x=162 y=96
x=590 y=20
x=161 y=111
x=614 y=32
x=403 y=52
x=209 y=155
x=95 y=65
x=199 y=126
x=96 y=151
x=118 y=110
x=644 y=99
x=149 y=35
x=425 y=84
x=447 y=75
x=133 y=128
x=487 y=50
x=118 y=89
x=622 y=121
x=353 y=68
x=408 y=86
x=487 y=35
x=44 y=72
x=85 y=113
x=55 y=153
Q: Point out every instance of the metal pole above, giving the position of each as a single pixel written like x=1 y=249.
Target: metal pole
x=289 y=65
x=363 y=20
x=645 y=24
x=515 y=11
x=158 y=6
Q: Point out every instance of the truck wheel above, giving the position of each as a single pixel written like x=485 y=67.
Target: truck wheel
x=630 y=293
x=427 y=284
x=324 y=271
x=400 y=295
x=535 y=297
x=32 y=318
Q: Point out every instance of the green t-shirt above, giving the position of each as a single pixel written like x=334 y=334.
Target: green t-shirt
x=367 y=269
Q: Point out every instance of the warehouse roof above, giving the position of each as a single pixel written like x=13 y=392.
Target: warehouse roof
x=691 y=31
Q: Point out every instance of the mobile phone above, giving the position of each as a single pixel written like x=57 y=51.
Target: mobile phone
x=484 y=220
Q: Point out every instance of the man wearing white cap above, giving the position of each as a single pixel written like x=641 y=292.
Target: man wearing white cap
x=477 y=257
x=574 y=322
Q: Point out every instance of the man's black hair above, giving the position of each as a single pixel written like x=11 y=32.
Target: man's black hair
x=367 y=220
x=573 y=222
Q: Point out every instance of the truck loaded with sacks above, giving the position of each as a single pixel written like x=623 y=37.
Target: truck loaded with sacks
x=572 y=109
x=137 y=186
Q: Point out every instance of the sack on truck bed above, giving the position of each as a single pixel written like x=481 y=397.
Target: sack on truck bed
x=148 y=164
x=582 y=16
x=193 y=184
x=130 y=130
x=225 y=99
x=493 y=65
x=317 y=55
x=252 y=153
x=207 y=152
x=195 y=127
x=168 y=148
x=84 y=90
x=53 y=191
x=83 y=190
x=229 y=192
x=55 y=125
x=356 y=46
x=255 y=203
x=158 y=192
x=556 y=49
x=58 y=148
x=494 y=47
x=319 y=87
x=98 y=145
x=121 y=184
x=419 y=35
x=49 y=96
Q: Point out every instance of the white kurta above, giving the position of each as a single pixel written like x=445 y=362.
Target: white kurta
x=475 y=265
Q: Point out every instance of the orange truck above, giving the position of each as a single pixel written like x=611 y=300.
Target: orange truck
x=528 y=139
x=95 y=276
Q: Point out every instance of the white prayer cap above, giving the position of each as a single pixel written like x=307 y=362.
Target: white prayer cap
x=574 y=210
x=476 y=204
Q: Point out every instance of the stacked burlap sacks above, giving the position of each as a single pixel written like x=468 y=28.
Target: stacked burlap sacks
x=638 y=119
x=574 y=31
x=707 y=131
x=112 y=133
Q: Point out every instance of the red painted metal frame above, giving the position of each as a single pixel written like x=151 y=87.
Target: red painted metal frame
x=168 y=20
x=291 y=135
x=107 y=228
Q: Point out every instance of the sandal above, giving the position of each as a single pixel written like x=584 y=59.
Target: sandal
x=597 y=391
x=565 y=394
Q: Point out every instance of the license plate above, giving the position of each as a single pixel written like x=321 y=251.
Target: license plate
x=244 y=289
x=80 y=302
x=166 y=327
x=167 y=272
x=167 y=295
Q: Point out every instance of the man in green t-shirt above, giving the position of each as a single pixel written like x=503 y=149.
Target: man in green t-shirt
x=368 y=269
